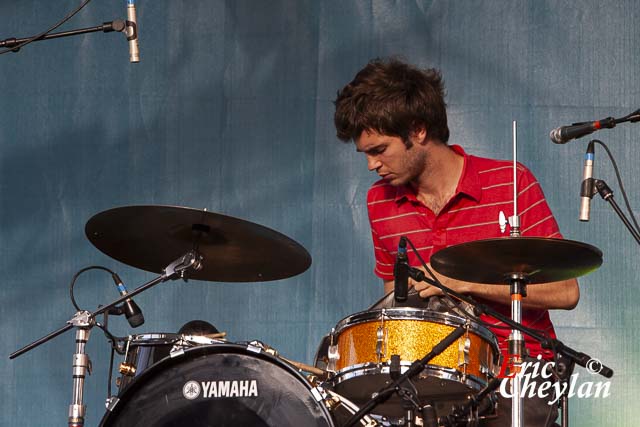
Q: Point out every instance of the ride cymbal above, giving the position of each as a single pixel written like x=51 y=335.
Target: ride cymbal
x=540 y=260
x=233 y=250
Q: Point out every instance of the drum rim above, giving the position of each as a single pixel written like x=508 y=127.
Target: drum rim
x=369 y=368
x=246 y=349
x=166 y=338
x=153 y=336
x=411 y=313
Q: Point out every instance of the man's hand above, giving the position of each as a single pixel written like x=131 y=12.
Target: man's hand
x=426 y=290
x=544 y=296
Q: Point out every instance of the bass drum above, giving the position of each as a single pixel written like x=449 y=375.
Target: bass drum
x=220 y=385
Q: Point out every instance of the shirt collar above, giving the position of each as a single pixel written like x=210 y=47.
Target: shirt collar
x=469 y=183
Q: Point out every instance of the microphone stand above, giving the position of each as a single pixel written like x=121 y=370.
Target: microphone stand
x=601 y=187
x=107 y=27
x=85 y=320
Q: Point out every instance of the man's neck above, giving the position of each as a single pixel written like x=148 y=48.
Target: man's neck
x=438 y=183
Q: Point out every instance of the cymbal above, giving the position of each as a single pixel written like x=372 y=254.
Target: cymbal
x=540 y=260
x=152 y=237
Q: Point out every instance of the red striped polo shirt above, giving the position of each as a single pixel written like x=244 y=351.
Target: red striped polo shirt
x=485 y=188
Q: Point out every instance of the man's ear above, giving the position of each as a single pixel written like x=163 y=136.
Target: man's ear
x=418 y=135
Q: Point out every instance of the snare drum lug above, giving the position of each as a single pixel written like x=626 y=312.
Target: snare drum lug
x=381 y=342
x=333 y=355
x=464 y=346
x=381 y=338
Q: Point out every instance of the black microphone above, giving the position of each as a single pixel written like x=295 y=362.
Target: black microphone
x=131 y=310
x=131 y=31
x=429 y=416
x=564 y=134
x=401 y=272
x=586 y=189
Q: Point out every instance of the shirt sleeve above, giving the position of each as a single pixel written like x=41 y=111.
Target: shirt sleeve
x=383 y=258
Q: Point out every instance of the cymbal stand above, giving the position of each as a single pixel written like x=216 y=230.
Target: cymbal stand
x=517 y=286
x=85 y=320
x=518 y=290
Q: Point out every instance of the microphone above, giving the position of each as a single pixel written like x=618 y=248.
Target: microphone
x=131 y=310
x=564 y=134
x=429 y=416
x=131 y=32
x=401 y=272
x=586 y=189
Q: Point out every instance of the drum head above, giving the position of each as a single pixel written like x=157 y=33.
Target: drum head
x=218 y=385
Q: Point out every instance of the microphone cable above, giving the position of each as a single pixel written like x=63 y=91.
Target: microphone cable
x=75 y=277
x=620 y=183
x=44 y=33
x=113 y=340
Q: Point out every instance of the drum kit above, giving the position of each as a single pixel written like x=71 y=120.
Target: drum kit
x=384 y=366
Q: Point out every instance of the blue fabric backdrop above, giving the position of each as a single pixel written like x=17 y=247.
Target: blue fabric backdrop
x=230 y=109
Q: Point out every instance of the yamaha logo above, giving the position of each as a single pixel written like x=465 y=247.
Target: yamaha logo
x=217 y=389
x=191 y=390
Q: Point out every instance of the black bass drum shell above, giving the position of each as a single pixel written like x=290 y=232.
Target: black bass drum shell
x=218 y=385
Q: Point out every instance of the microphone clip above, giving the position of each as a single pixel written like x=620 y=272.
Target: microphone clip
x=588 y=188
x=117 y=310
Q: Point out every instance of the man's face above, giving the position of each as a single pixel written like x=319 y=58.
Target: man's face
x=390 y=157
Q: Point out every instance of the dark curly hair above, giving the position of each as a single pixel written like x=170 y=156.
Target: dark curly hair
x=392 y=98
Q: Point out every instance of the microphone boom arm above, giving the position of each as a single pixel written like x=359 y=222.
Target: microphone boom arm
x=174 y=271
x=107 y=27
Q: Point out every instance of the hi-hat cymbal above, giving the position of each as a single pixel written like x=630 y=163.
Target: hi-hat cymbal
x=234 y=250
x=540 y=260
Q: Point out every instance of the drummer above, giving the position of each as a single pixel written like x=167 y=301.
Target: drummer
x=438 y=195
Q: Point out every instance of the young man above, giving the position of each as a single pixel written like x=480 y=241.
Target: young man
x=438 y=196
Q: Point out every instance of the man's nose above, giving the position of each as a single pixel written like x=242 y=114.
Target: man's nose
x=373 y=163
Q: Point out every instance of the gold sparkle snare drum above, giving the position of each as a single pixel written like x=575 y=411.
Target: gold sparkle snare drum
x=361 y=345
